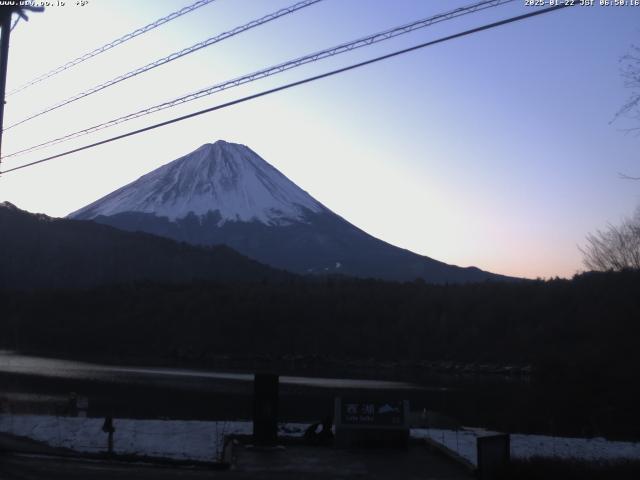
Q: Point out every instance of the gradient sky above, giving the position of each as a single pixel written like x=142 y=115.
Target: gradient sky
x=494 y=150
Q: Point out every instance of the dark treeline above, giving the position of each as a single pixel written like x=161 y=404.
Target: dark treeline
x=558 y=326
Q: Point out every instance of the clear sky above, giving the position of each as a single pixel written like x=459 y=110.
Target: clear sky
x=494 y=150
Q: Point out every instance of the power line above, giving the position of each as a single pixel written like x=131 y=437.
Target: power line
x=174 y=56
x=313 y=57
x=297 y=83
x=112 y=44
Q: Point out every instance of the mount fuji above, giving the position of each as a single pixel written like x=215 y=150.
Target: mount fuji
x=224 y=193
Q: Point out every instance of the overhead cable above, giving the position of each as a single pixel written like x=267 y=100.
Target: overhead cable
x=279 y=68
x=170 y=58
x=112 y=44
x=296 y=83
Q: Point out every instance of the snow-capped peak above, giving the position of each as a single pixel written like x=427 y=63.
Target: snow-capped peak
x=225 y=177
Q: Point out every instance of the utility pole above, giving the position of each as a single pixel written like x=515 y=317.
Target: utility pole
x=5 y=24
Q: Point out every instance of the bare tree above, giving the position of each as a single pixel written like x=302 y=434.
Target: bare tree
x=630 y=71
x=616 y=248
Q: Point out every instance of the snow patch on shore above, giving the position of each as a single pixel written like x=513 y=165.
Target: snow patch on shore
x=204 y=440
x=463 y=442
x=175 y=439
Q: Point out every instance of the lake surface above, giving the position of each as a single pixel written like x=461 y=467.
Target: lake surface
x=182 y=393
x=67 y=369
x=44 y=385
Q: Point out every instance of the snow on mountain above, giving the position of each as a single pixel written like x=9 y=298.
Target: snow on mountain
x=225 y=177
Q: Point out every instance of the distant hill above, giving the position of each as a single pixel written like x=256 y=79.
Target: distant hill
x=37 y=251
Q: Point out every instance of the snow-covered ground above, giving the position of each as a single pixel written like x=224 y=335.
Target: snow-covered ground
x=199 y=440
x=463 y=442
x=181 y=440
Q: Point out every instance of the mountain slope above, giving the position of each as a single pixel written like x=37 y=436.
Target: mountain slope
x=43 y=252
x=225 y=193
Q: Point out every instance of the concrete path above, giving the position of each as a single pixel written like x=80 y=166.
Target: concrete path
x=37 y=462
x=329 y=463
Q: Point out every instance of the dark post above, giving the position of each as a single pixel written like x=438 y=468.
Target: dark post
x=265 y=409
x=494 y=455
x=108 y=428
x=5 y=13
